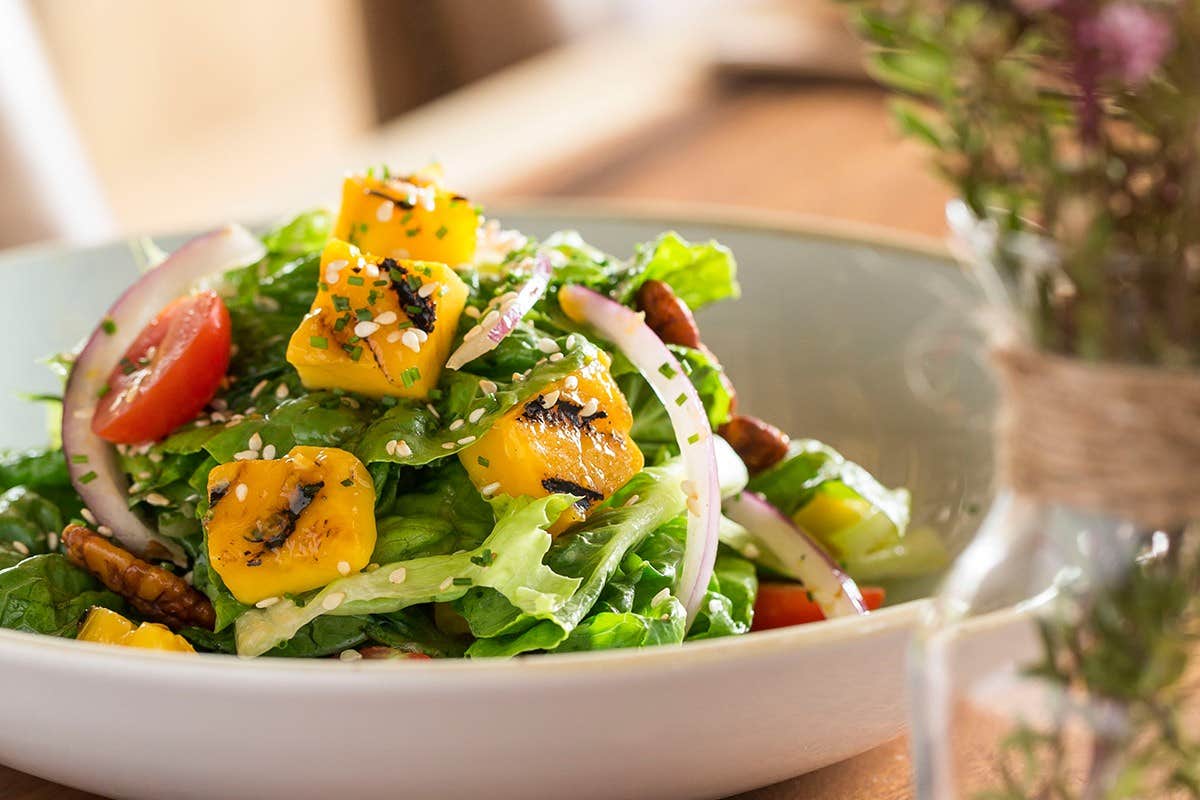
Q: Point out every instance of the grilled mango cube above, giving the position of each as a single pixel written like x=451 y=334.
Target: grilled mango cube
x=291 y=524
x=109 y=627
x=378 y=326
x=407 y=217
x=572 y=438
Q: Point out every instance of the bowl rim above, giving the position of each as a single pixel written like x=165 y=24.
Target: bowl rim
x=35 y=648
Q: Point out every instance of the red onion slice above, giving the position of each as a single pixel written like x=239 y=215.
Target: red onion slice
x=833 y=590
x=666 y=377
x=498 y=323
x=91 y=461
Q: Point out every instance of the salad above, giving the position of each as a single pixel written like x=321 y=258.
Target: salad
x=406 y=432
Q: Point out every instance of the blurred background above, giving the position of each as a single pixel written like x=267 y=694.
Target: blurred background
x=144 y=116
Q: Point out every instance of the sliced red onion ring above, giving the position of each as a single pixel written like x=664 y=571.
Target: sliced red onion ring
x=92 y=461
x=491 y=330
x=833 y=590
x=666 y=377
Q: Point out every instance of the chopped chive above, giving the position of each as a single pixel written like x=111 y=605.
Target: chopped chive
x=323 y=286
x=681 y=399
x=380 y=282
x=356 y=280
x=441 y=232
x=405 y=217
x=105 y=389
x=79 y=459
x=462 y=581
x=388 y=402
x=667 y=370
x=356 y=352
x=483 y=462
x=127 y=366
x=363 y=227
x=319 y=342
x=687 y=367
x=396 y=274
x=695 y=437
x=372 y=296
x=413 y=310
x=404 y=323
x=364 y=314
x=485 y=558
x=410 y=376
x=341 y=323
x=412 y=231
x=109 y=326
x=348 y=482
x=353 y=340
x=87 y=477
x=341 y=303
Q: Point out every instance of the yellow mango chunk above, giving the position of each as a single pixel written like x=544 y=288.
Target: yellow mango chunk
x=825 y=514
x=109 y=627
x=573 y=438
x=290 y=524
x=407 y=217
x=378 y=326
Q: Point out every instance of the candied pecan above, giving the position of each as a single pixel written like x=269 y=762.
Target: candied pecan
x=667 y=315
x=153 y=592
x=378 y=652
x=760 y=444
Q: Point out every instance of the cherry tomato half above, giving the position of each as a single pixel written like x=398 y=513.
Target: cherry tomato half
x=169 y=373
x=779 y=605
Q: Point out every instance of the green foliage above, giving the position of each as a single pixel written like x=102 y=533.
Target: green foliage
x=47 y=594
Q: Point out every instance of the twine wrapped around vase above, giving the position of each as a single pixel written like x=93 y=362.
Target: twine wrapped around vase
x=1123 y=440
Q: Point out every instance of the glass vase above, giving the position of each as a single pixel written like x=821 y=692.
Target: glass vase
x=1053 y=664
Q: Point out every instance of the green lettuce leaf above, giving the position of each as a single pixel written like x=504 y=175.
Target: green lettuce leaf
x=47 y=594
x=509 y=561
x=699 y=273
x=27 y=519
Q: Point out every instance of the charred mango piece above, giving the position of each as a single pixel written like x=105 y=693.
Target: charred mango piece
x=378 y=326
x=407 y=217
x=109 y=627
x=572 y=438
x=290 y=524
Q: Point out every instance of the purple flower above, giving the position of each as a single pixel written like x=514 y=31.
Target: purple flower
x=1130 y=40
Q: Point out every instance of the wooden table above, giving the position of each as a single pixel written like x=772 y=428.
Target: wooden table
x=814 y=149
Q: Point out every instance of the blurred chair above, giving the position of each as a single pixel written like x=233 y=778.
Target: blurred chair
x=48 y=189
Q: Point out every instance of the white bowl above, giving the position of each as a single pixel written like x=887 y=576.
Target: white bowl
x=866 y=344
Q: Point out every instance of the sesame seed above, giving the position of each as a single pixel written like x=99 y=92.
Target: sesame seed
x=456 y=424
x=472 y=312
x=266 y=602
x=241 y=492
x=688 y=487
x=251 y=411
x=571 y=383
x=427 y=289
x=343 y=567
x=372 y=567
x=571 y=342
x=268 y=452
x=476 y=415
x=633 y=499
x=52 y=540
x=156 y=458
x=104 y=530
x=397 y=575
x=466 y=440
x=402 y=449
x=751 y=552
x=421 y=335
x=547 y=345
x=394 y=337
x=258 y=387
x=446 y=584
x=517 y=376
x=332 y=601
x=350 y=655
x=556 y=357
x=372 y=270
x=365 y=328
x=21 y=548
x=202 y=423
x=281 y=391
x=135 y=487
x=384 y=212
x=88 y=516
x=217 y=417
x=448 y=445
x=590 y=407
x=693 y=505
x=714 y=606
x=433 y=411
x=390 y=447
x=386 y=318
x=487 y=387
x=550 y=399
x=219 y=405
x=245 y=455
x=490 y=489
x=662 y=597
x=255 y=442
x=410 y=340
x=156 y=499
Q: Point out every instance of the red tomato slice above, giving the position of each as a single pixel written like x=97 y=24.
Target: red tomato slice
x=779 y=605
x=170 y=372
